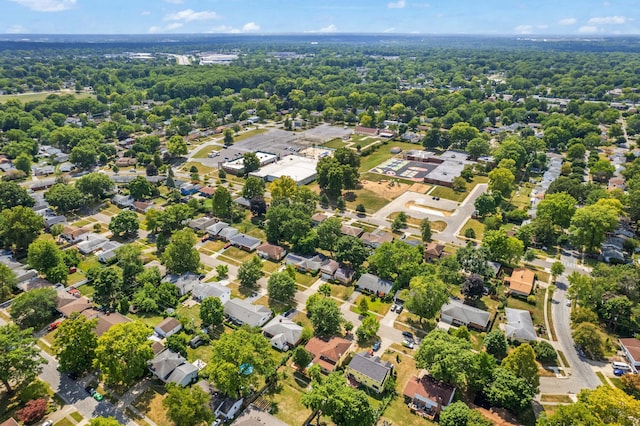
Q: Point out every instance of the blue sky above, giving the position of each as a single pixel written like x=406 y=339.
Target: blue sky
x=553 y=17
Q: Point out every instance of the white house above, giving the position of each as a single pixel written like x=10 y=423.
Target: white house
x=185 y=282
x=171 y=367
x=203 y=290
x=283 y=333
x=167 y=327
x=242 y=312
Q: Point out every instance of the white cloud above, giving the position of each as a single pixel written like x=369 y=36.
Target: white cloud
x=155 y=29
x=329 y=29
x=588 y=29
x=567 y=21
x=189 y=15
x=614 y=20
x=47 y=5
x=524 y=29
x=145 y=13
x=174 y=1
x=389 y=30
x=542 y=26
x=250 y=26
x=16 y=29
x=400 y=4
x=173 y=26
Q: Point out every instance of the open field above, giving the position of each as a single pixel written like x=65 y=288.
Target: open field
x=40 y=96
x=476 y=225
x=335 y=143
x=382 y=153
x=374 y=195
x=450 y=194
x=150 y=403
x=204 y=152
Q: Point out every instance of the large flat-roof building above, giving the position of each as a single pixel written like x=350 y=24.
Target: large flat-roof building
x=300 y=169
x=236 y=166
x=449 y=165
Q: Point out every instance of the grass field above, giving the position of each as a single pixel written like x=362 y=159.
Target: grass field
x=286 y=399
x=204 y=152
x=377 y=306
x=335 y=143
x=64 y=422
x=450 y=194
x=150 y=403
x=383 y=153
x=556 y=398
x=476 y=225
x=372 y=202
x=305 y=280
x=341 y=291
x=40 y=96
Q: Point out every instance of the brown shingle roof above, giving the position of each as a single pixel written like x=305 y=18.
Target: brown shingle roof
x=273 y=251
x=353 y=231
x=78 y=305
x=105 y=322
x=429 y=388
x=633 y=347
x=168 y=324
x=327 y=350
x=434 y=249
x=10 y=422
x=521 y=280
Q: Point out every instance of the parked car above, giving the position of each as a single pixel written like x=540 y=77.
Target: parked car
x=568 y=303
x=195 y=342
x=73 y=376
x=98 y=396
x=205 y=238
x=393 y=307
x=408 y=335
x=90 y=390
x=618 y=372
x=376 y=345
x=226 y=246
x=407 y=344
x=47 y=423
x=53 y=325
x=399 y=309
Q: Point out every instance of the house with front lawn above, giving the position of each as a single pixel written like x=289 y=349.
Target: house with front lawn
x=519 y=325
x=305 y=264
x=271 y=252
x=427 y=396
x=202 y=223
x=241 y=312
x=215 y=229
x=245 y=242
x=185 y=282
x=328 y=354
x=282 y=333
x=369 y=370
x=167 y=327
x=521 y=282
x=433 y=251
x=457 y=313
x=373 y=284
x=203 y=290
x=344 y=275
x=171 y=367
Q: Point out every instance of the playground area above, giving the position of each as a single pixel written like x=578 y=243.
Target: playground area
x=404 y=169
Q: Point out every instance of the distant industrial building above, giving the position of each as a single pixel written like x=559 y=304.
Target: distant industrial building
x=449 y=165
x=300 y=169
x=236 y=166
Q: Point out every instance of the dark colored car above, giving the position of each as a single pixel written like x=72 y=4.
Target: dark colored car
x=195 y=342
x=90 y=390
x=408 y=335
x=618 y=372
x=376 y=345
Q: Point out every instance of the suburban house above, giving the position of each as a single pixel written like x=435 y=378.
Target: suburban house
x=374 y=240
x=519 y=325
x=240 y=312
x=304 y=264
x=90 y=243
x=207 y=191
x=245 y=242
x=368 y=131
x=189 y=188
x=67 y=304
x=203 y=290
x=433 y=251
x=243 y=202
x=228 y=233
x=283 y=333
x=108 y=251
x=344 y=275
x=167 y=327
x=271 y=252
x=369 y=370
x=457 y=313
x=225 y=407
x=374 y=285
x=328 y=269
x=427 y=396
x=73 y=234
x=631 y=348
x=202 y=223
x=214 y=230
x=328 y=354
x=106 y=321
x=10 y=422
x=185 y=282
x=352 y=231
x=123 y=201
x=253 y=416
x=22 y=274
x=318 y=218
x=171 y=367
x=521 y=281
x=142 y=206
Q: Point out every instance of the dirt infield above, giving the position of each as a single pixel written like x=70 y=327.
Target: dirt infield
x=420 y=188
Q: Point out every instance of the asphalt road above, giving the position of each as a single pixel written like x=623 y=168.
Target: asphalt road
x=72 y=392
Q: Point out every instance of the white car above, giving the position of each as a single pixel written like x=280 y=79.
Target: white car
x=568 y=303
x=47 y=423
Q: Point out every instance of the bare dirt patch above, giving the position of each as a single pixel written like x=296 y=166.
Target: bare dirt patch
x=385 y=189
x=421 y=188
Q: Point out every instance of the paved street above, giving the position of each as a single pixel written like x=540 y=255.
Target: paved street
x=72 y=392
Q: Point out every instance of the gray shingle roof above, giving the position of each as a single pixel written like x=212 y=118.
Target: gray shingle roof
x=371 y=366
x=519 y=325
x=374 y=284
x=466 y=314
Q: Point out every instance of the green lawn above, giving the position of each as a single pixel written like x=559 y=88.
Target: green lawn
x=76 y=416
x=305 y=279
x=64 y=422
x=521 y=198
x=286 y=398
x=150 y=403
x=537 y=310
x=476 y=225
x=450 y=194
x=382 y=153
x=204 y=152
x=372 y=201
x=237 y=254
x=191 y=314
x=250 y=133
x=377 y=305
x=88 y=263
x=40 y=96
x=270 y=267
x=341 y=291
x=149 y=319
x=335 y=143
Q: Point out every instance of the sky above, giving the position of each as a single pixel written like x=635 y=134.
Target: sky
x=486 y=17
